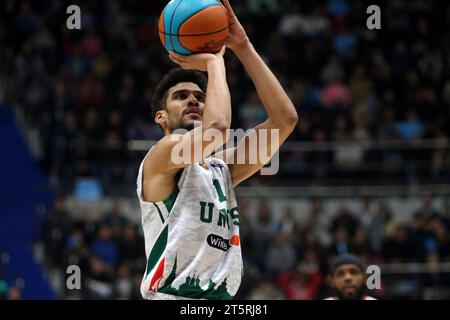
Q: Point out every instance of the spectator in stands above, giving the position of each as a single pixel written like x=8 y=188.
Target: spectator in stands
x=344 y=219
x=397 y=249
x=138 y=129
x=76 y=250
x=287 y=224
x=387 y=128
x=411 y=128
x=368 y=212
x=3 y=289
x=341 y=244
x=383 y=226
x=427 y=208
x=348 y=156
x=317 y=222
x=105 y=248
x=321 y=158
x=280 y=255
x=57 y=228
x=266 y=290
x=99 y=279
x=360 y=244
x=262 y=232
x=420 y=237
x=123 y=283
x=130 y=245
x=310 y=243
x=438 y=240
x=251 y=112
x=304 y=282
x=360 y=87
x=114 y=218
x=347 y=278
x=14 y=293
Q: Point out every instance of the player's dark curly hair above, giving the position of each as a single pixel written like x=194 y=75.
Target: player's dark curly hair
x=173 y=77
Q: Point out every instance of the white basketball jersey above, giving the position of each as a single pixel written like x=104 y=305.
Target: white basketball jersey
x=192 y=238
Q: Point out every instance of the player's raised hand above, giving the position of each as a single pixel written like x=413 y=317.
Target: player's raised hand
x=198 y=61
x=237 y=36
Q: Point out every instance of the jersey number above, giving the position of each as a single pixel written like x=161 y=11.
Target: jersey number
x=222 y=197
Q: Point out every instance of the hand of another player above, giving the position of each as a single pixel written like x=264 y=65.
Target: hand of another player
x=197 y=61
x=237 y=37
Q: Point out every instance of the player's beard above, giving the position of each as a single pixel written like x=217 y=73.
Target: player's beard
x=360 y=292
x=183 y=124
x=180 y=124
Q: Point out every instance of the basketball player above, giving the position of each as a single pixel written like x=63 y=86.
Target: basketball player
x=189 y=210
x=348 y=278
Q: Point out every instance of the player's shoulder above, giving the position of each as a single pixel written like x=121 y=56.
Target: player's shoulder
x=153 y=156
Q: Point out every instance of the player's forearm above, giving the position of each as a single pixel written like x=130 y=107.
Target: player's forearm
x=218 y=102
x=279 y=107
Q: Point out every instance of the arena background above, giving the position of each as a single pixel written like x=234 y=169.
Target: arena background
x=366 y=171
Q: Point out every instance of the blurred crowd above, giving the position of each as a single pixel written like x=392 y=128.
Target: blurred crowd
x=109 y=251
x=289 y=257
x=8 y=290
x=88 y=91
x=286 y=256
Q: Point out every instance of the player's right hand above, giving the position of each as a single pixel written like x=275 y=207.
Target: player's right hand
x=237 y=37
x=198 y=61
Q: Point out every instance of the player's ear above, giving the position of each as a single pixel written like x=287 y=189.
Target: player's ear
x=161 y=117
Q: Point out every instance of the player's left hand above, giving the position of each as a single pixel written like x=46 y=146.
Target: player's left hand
x=197 y=61
x=237 y=38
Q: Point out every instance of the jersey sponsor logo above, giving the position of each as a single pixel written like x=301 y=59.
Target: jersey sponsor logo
x=220 y=243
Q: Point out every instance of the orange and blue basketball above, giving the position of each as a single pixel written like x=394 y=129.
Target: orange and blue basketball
x=193 y=26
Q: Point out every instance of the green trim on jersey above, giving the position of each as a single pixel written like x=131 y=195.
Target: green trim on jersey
x=170 y=200
x=159 y=212
x=157 y=250
x=167 y=288
x=191 y=288
x=161 y=242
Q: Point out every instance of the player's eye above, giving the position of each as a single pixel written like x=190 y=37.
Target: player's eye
x=200 y=97
x=181 y=96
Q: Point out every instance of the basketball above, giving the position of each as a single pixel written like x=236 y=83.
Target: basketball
x=188 y=27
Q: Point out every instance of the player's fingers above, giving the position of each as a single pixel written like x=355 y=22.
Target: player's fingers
x=228 y=7
x=184 y=64
x=175 y=60
x=177 y=56
x=172 y=58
